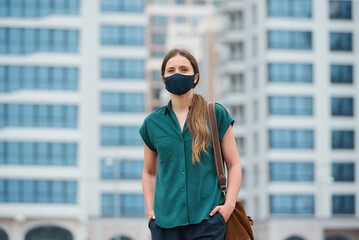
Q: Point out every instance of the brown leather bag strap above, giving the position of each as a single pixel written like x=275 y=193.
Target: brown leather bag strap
x=217 y=147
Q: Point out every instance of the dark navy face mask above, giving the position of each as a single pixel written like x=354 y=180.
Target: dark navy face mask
x=179 y=84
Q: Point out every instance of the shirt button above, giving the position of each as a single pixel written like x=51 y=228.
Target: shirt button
x=182 y=173
x=183 y=190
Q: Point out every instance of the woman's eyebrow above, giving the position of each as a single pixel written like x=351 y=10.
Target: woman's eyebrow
x=180 y=66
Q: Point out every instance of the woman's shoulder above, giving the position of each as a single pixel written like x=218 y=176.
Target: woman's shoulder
x=154 y=115
x=220 y=108
x=221 y=113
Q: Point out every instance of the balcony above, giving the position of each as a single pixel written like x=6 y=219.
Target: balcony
x=231 y=65
x=232 y=34
x=231 y=5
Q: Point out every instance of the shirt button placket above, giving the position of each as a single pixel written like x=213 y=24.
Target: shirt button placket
x=182 y=155
x=183 y=172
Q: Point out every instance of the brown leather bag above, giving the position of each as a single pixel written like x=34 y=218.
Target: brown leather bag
x=239 y=225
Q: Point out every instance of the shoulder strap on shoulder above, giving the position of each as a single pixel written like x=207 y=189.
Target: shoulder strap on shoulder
x=216 y=146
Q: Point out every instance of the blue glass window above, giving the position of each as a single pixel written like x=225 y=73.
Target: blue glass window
x=293 y=172
x=121 y=169
x=38 y=115
x=159 y=38
x=180 y=1
x=343 y=139
x=286 y=105
x=13 y=78
x=14 y=40
x=159 y=21
x=281 y=39
x=38 y=8
x=108 y=205
x=27 y=40
x=291 y=138
x=123 y=69
x=122 y=205
x=12 y=191
x=122 y=102
x=2 y=190
x=15 y=74
x=130 y=169
x=38 y=153
x=38 y=191
x=122 y=5
x=340 y=9
x=108 y=169
x=31 y=44
x=343 y=204
x=343 y=172
x=340 y=41
x=180 y=19
x=3 y=40
x=341 y=74
x=291 y=204
x=288 y=72
x=132 y=205
x=158 y=54
x=156 y=75
x=342 y=106
x=196 y=20
x=120 y=136
x=290 y=8
x=122 y=35
x=71 y=189
x=28 y=191
x=2 y=113
x=59 y=191
x=199 y=2
x=160 y=1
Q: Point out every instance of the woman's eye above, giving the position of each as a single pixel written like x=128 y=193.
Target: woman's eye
x=169 y=70
x=184 y=69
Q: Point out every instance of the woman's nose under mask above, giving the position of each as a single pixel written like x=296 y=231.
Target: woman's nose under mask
x=179 y=84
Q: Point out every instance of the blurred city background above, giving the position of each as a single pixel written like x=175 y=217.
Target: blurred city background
x=77 y=78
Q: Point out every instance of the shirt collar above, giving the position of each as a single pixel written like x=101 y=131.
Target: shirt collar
x=168 y=107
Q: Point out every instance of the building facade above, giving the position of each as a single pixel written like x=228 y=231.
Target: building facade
x=290 y=81
x=72 y=97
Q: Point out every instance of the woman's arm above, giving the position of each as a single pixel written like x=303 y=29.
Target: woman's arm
x=149 y=179
x=234 y=168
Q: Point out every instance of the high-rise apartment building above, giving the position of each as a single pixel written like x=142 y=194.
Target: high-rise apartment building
x=289 y=78
x=72 y=97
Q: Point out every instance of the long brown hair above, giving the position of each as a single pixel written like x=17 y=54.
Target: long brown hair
x=197 y=116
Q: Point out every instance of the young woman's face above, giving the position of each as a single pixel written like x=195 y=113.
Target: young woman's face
x=178 y=64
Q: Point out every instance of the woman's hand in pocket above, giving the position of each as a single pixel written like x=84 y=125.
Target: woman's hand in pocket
x=150 y=215
x=225 y=210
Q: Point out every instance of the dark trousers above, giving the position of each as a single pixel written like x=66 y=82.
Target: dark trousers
x=209 y=229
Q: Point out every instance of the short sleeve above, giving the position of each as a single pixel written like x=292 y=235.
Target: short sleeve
x=146 y=136
x=224 y=119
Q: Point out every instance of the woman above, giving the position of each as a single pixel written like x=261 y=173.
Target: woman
x=179 y=179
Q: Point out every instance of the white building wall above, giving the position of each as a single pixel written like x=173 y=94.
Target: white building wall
x=251 y=31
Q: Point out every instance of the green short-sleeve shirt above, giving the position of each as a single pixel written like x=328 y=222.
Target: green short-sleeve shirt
x=184 y=193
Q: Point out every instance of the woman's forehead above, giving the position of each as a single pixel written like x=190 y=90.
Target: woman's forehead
x=178 y=61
